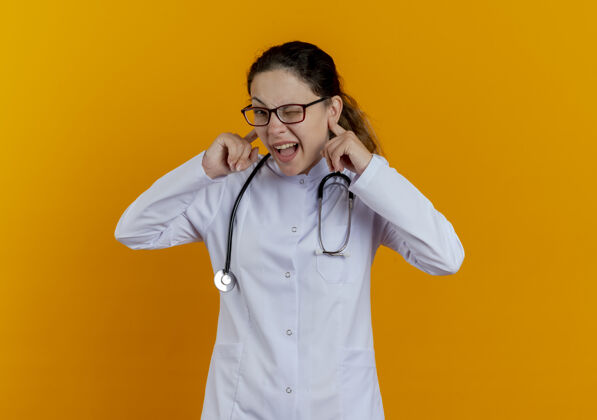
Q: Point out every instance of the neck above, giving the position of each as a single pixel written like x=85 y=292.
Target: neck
x=306 y=171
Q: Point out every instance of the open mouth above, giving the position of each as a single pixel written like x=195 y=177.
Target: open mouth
x=286 y=152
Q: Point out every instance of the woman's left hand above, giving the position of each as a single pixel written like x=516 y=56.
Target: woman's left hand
x=345 y=150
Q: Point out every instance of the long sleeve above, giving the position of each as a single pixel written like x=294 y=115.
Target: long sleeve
x=158 y=217
x=410 y=224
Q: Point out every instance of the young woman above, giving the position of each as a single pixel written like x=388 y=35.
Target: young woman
x=294 y=338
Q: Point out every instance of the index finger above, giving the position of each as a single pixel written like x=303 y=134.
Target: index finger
x=251 y=136
x=335 y=127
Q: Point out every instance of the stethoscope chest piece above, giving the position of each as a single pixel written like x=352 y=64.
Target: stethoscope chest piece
x=225 y=281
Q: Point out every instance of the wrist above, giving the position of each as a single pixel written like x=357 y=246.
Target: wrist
x=363 y=167
x=208 y=171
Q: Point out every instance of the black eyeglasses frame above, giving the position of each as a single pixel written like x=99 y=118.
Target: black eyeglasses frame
x=269 y=112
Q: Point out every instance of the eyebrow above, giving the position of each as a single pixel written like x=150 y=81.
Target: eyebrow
x=257 y=99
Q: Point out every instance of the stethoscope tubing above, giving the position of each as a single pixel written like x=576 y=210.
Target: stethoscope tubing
x=236 y=203
x=225 y=279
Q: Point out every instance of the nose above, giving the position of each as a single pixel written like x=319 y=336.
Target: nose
x=275 y=125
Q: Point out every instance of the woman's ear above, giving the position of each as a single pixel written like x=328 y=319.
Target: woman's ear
x=335 y=109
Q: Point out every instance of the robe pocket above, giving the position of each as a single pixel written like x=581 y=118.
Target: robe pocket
x=333 y=268
x=225 y=374
x=359 y=388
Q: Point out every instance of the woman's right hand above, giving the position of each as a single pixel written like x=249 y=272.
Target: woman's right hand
x=230 y=153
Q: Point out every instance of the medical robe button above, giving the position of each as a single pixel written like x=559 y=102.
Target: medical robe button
x=287 y=274
x=302 y=181
x=289 y=332
x=288 y=389
x=294 y=228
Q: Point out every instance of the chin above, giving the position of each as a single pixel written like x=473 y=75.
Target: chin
x=292 y=168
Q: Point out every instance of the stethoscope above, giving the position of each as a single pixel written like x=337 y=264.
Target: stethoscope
x=225 y=279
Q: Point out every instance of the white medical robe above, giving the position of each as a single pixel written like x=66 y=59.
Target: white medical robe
x=294 y=338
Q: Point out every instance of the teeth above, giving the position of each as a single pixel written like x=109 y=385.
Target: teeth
x=285 y=146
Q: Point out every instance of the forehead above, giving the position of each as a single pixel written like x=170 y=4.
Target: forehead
x=278 y=87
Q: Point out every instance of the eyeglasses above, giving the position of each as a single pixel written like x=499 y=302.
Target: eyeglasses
x=288 y=114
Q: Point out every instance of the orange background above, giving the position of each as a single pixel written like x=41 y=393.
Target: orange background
x=487 y=107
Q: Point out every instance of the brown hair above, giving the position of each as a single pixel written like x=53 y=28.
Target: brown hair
x=316 y=68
